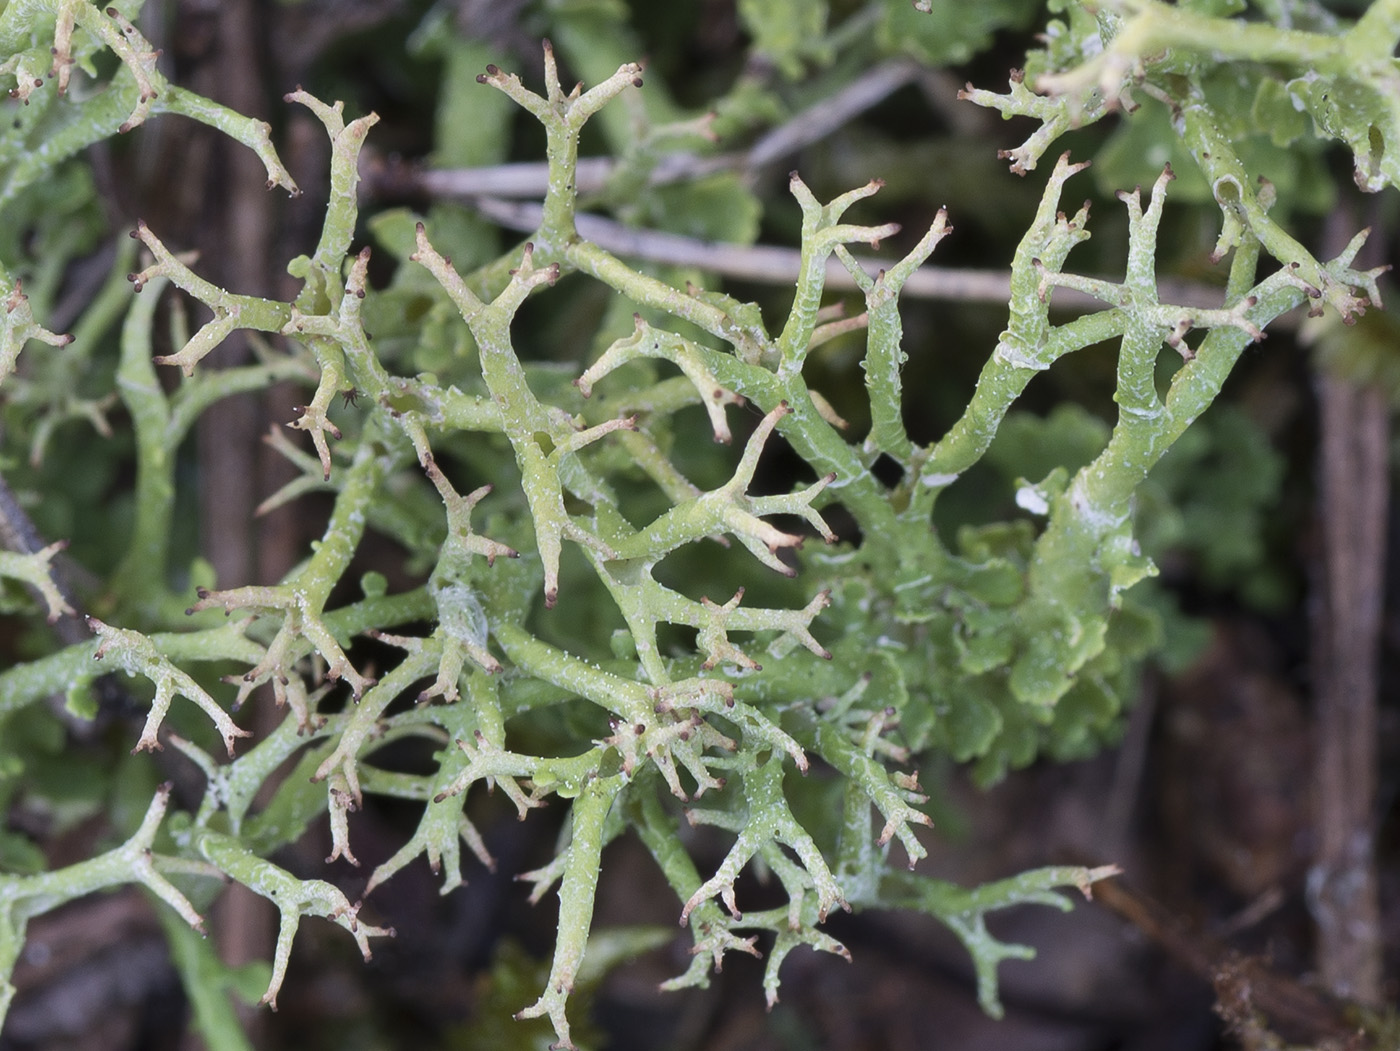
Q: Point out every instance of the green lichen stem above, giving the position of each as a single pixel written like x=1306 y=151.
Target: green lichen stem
x=576 y=893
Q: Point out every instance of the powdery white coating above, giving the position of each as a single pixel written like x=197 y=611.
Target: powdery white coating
x=1031 y=499
x=1017 y=358
x=460 y=614
x=937 y=481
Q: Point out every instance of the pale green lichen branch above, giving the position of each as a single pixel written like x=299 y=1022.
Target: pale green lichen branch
x=576 y=893
x=1243 y=210
x=822 y=233
x=492 y=763
x=785 y=942
x=161 y=423
x=563 y=117
x=338 y=227
x=442 y=828
x=1055 y=116
x=730 y=509
x=136 y=654
x=294 y=898
x=364 y=723
x=302 y=598
x=896 y=803
x=525 y=419
x=1149 y=30
x=751 y=343
x=24 y=897
x=965 y=912
x=884 y=355
x=1343 y=80
x=18 y=326
x=768 y=819
x=36 y=570
x=651 y=342
x=231 y=311
x=1027 y=347
x=110 y=24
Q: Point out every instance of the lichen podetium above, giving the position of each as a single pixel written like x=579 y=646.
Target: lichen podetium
x=548 y=523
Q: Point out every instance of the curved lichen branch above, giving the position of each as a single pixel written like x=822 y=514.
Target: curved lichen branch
x=24 y=897
x=341 y=213
x=459 y=509
x=135 y=53
x=729 y=509
x=294 y=898
x=896 y=798
x=365 y=722
x=766 y=820
x=301 y=617
x=489 y=762
x=542 y=437
x=136 y=654
x=441 y=830
x=253 y=133
x=650 y=342
x=554 y=106
x=1343 y=78
x=714 y=622
x=230 y=311
x=1055 y=116
x=310 y=473
x=301 y=600
x=36 y=570
x=576 y=892
x=1028 y=345
x=18 y=327
x=884 y=356
x=822 y=233
x=138 y=78
x=1245 y=213
x=1151 y=32
x=1150 y=322
x=314 y=417
x=965 y=912
x=563 y=117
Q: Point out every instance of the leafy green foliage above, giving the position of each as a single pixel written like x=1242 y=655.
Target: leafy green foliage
x=570 y=513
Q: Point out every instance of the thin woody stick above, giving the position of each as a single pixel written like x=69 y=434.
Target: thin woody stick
x=770 y=264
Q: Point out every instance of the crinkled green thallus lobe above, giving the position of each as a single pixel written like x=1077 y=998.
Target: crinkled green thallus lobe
x=1015 y=641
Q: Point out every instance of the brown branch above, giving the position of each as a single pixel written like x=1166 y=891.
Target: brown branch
x=1245 y=987
x=1354 y=492
x=769 y=264
x=811 y=125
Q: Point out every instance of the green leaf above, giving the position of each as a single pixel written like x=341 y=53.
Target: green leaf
x=948 y=31
x=81 y=701
x=986 y=641
x=1275 y=111
x=20 y=855
x=788 y=32
x=718 y=207
x=1030 y=446
x=970 y=726
x=997 y=582
x=472 y=122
